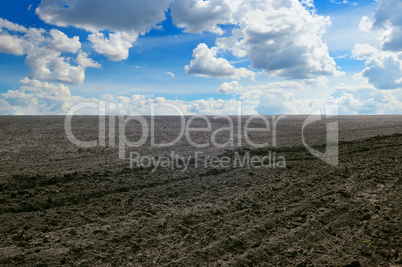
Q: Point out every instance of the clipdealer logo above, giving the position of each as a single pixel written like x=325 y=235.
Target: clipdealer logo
x=238 y=135
x=199 y=160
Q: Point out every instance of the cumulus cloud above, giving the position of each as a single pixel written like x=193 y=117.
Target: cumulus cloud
x=251 y=94
x=206 y=64
x=384 y=70
x=277 y=102
x=97 y=15
x=43 y=52
x=365 y=24
x=5 y=24
x=366 y=99
x=364 y=51
x=204 y=15
x=212 y=106
x=254 y=92
x=86 y=62
x=383 y=67
x=284 y=85
x=12 y=44
x=235 y=44
x=392 y=39
x=124 y=20
x=357 y=99
x=116 y=47
x=270 y=98
x=35 y=97
x=62 y=43
x=230 y=88
x=48 y=65
x=5 y=108
x=283 y=38
x=279 y=98
x=388 y=16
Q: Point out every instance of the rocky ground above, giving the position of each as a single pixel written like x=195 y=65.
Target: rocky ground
x=64 y=205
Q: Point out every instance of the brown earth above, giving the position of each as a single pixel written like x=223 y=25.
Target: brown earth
x=65 y=205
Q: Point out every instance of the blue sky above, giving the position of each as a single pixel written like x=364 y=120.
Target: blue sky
x=277 y=57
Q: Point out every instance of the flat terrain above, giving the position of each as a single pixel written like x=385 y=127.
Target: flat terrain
x=65 y=205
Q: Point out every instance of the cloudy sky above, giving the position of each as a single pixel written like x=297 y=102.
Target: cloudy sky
x=275 y=56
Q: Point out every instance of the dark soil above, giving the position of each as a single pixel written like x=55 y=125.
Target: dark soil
x=64 y=205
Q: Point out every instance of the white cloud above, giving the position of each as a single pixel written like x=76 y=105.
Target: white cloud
x=171 y=74
x=357 y=99
x=276 y=102
x=5 y=108
x=251 y=94
x=343 y=2
x=40 y=98
x=206 y=64
x=5 y=24
x=383 y=67
x=12 y=44
x=364 y=51
x=365 y=24
x=392 y=39
x=97 y=15
x=204 y=15
x=212 y=106
x=48 y=65
x=230 y=88
x=9 y=43
x=384 y=70
x=283 y=38
x=284 y=85
x=35 y=97
x=235 y=43
x=61 y=43
x=124 y=20
x=83 y=60
x=388 y=16
x=254 y=92
x=365 y=99
x=44 y=53
x=271 y=98
x=116 y=47
x=280 y=98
